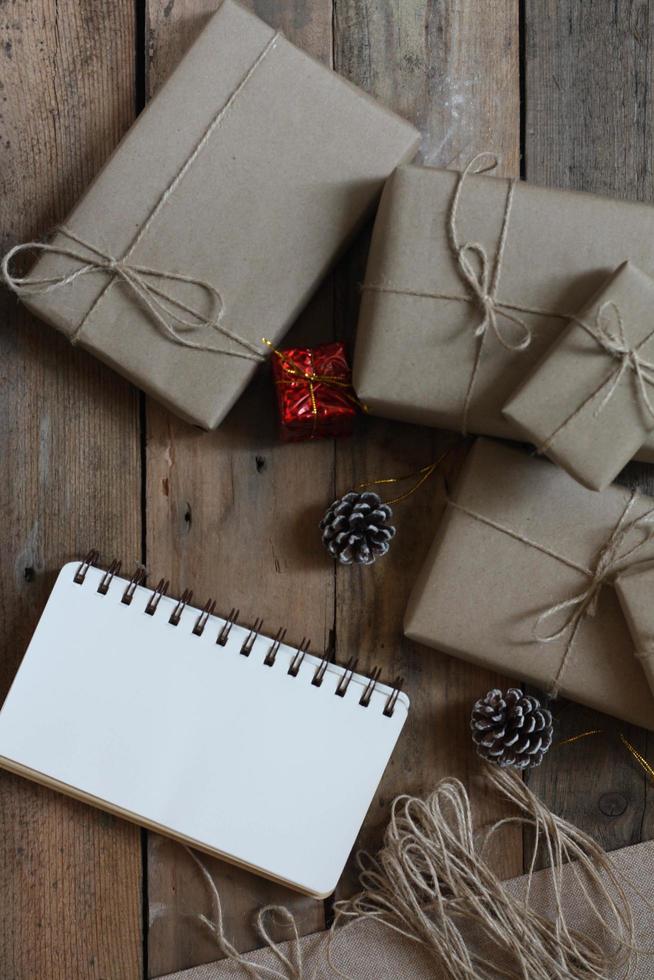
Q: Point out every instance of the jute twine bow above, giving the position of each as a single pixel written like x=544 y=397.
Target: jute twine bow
x=608 y=331
x=612 y=558
x=143 y=281
x=475 y=270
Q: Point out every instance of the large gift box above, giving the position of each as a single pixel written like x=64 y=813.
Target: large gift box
x=470 y=279
x=520 y=576
x=217 y=216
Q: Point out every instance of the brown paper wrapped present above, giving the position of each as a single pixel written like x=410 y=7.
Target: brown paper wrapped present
x=469 y=281
x=518 y=579
x=217 y=216
x=588 y=404
x=635 y=588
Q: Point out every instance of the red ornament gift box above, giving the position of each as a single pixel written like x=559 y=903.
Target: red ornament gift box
x=314 y=392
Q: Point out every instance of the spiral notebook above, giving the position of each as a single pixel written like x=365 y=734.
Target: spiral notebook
x=201 y=729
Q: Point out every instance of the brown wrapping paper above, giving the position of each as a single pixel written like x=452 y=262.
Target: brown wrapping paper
x=524 y=553
x=635 y=589
x=588 y=404
x=366 y=950
x=415 y=351
x=289 y=159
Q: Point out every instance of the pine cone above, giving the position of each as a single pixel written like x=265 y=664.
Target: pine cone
x=355 y=529
x=511 y=729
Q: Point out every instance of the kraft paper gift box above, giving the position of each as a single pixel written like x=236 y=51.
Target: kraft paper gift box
x=217 y=216
x=519 y=579
x=459 y=294
x=588 y=404
x=635 y=588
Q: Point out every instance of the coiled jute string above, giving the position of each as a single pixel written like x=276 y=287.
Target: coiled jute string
x=432 y=885
x=172 y=316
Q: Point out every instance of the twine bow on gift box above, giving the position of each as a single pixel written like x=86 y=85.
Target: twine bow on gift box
x=608 y=331
x=613 y=557
x=483 y=284
x=166 y=310
x=144 y=282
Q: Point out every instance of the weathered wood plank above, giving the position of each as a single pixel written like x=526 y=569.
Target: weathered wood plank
x=232 y=514
x=453 y=69
x=70 y=877
x=589 y=77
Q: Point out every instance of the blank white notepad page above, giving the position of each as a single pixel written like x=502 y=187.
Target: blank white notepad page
x=178 y=732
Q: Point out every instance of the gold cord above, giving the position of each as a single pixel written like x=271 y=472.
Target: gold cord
x=423 y=475
x=647 y=768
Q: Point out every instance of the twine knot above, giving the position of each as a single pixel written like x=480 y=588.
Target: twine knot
x=611 y=558
x=482 y=282
x=610 y=334
x=483 y=294
x=585 y=602
x=143 y=281
x=608 y=331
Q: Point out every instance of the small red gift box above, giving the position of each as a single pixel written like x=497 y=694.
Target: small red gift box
x=314 y=392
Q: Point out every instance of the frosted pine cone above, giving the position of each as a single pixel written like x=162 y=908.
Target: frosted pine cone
x=511 y=729
x=355 y=529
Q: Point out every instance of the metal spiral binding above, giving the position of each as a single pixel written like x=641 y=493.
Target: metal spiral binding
x=373 y=680
x=90 y=559
x=155 y=598
x=321 y=670
x=138 y=579
x=203 y=618
x=348 y=674
x=223 y=636
x=269 y=659
x=107 y=578
x=389 y=707
x=182 y=603
x=300 y=654
x=249 y=641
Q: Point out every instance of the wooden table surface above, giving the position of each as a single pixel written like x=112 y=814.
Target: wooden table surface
x=562 y=90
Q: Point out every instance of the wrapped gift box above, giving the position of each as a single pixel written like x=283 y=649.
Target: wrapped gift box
x=635 y=588
x=218 y=215
x=589 y=404
x=419 y=353
x=524 y=553
x=314 y=392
